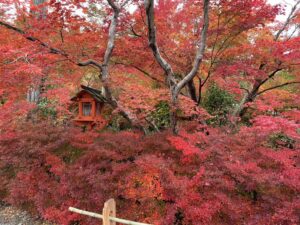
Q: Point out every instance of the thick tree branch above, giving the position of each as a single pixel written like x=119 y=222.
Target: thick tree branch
x=89 y=62
x=277 y=86
x=113 y=5
x=33 y=39
x=272 y=74
x=139 y=69
x=200 y=51
x=251 y=95
x=111 y=32
x=175 y=87
x=51 y=49
x=106 y=91
x=149 y=6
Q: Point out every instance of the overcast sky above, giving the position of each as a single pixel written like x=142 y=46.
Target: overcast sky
x=289 y=4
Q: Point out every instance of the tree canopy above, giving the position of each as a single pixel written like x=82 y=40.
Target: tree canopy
x=203 y=100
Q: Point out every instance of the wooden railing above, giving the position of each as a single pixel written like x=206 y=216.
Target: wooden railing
x=108 y=214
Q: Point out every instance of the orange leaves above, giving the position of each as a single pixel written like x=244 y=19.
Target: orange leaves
x=180 y=144
x=187 y=144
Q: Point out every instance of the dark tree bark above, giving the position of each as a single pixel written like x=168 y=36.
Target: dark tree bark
x=174 y=86
x=192 y=90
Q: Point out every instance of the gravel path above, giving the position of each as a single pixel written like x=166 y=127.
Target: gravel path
x=12 y=216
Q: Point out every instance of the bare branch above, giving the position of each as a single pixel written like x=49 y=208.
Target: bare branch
x=245 y=89
x=200 y=51
x=217 y=36
x=294 y=31
x=134 y=32
x=139 y=69
x=272 y=74
x=199 y=90
x=253 y=93
x=34 y=39
x=207 y=77
x=90 y=62
x=288 y=20
x=51 y=49
x=277 y=86
x=124 y=3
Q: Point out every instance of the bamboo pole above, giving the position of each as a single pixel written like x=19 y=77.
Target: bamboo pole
x=99 y=216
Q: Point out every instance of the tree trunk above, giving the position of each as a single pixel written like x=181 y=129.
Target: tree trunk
x=240 y=109
x=176 y=87
x=173 y=110
x=192 y=90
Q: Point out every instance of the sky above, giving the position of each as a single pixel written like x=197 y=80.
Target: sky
x=289 y=4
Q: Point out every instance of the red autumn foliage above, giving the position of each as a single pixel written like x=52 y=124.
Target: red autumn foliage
x=159 y=179
x=244 y=171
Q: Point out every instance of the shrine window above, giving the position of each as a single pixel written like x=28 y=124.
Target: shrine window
x=86 y=108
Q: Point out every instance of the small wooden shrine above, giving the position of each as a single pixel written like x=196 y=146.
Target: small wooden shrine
x=90 y=104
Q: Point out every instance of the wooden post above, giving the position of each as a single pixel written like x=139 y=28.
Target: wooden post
x=109 y=209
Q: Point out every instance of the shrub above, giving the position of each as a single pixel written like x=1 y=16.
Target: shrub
x=161 y=115
x=219 y=103
x=46 y=109
x=196 y=177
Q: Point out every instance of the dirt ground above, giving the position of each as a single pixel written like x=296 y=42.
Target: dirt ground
x=13 y=216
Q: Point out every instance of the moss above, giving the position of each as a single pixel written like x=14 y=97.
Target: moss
x=279 y=140
x=249 y=194
x=160 y=205
x=3 y=193
x=270 y=165
x=155 y=85
x=222 y=218
x=68 y=153
x=281 y=191
x=9 y=172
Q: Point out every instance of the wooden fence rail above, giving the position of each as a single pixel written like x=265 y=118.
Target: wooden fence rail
x=108 y=214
